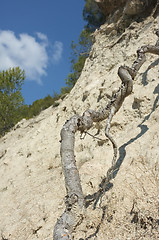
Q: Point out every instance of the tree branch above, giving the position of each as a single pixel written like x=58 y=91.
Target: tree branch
x=73 y=214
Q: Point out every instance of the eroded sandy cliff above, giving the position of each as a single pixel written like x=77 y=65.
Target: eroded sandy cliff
x=32 y=187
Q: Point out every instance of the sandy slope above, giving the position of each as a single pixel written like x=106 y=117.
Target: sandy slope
x=32 y=187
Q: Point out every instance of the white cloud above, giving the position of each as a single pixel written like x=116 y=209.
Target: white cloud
x=57 y=51
x=28 y=53
x=42 y=37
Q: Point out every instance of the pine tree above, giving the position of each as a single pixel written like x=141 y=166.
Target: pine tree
x=11 y=99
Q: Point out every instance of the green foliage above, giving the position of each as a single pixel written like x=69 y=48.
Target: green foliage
x=65 y=90
x=79 y=54
x=80 y=50
x=85 y=41
x=77 y=69
x=11 y=99
x=39 y=105
x=12 y=108
x=93 y=15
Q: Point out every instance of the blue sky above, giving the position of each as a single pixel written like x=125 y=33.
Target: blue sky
x=36 y=36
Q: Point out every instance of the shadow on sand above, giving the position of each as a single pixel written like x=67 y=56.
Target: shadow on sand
x=106 y=185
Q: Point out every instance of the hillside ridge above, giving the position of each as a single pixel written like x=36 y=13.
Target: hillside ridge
x=32 y=188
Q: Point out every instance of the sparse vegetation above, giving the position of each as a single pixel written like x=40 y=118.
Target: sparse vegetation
x=11 y=99
x=12 y=104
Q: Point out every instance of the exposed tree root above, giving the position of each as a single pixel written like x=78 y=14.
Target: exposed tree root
x=75 y=203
